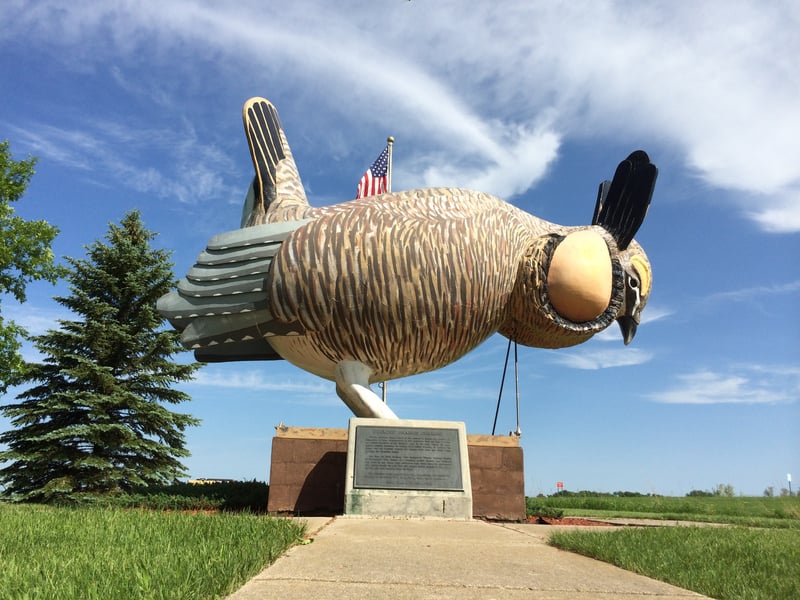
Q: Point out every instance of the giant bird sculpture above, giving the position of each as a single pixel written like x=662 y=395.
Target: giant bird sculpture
x=402 y=283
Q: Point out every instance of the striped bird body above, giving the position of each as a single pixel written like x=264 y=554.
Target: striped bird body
x=404 y=283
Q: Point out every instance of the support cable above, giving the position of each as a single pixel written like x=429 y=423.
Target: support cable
x=518 y=432
x=502 y=382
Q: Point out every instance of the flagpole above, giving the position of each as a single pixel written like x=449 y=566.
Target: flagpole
x=389 y=144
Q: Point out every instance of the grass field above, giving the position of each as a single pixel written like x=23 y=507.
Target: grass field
x=758 y=562
x=110 y=553
x=749 y=511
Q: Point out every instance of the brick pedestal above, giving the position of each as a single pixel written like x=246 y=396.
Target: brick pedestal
x=498 y=477
x=307 y=471
x=309 y=465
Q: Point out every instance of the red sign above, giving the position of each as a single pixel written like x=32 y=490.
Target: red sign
x=560 y=485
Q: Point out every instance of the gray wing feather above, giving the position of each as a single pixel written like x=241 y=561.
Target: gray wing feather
x=221 y=305
x=229 y=286
x=180 y=309
x=255 y=235
x=212 y=272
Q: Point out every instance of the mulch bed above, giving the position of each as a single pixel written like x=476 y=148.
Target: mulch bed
x=569 y=521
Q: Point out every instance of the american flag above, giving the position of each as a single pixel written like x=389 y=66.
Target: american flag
x=375 y=180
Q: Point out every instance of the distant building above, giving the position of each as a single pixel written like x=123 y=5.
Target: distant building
x=208 y=480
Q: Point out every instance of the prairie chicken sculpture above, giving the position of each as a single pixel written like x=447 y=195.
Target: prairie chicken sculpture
x=398 y=284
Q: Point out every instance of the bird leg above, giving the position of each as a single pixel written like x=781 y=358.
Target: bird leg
x=352 y=386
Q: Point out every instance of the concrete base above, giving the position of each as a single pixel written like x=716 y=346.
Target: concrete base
x=414 y=504
x=308 y=469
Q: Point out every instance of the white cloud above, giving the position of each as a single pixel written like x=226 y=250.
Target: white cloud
x=708 y=387
x=260 y=381
x=655 y=313
x=523 y=161
x=36 y=320
x=495 y=91
x=777 y=370
x=601 y=359
x=191 y=171
x=650 y=315
x=755 y=292
x=781 y=214
x=434 y=386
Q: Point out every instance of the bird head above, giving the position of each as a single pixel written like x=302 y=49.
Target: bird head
x=637 y=283
x=575 y=282
x=622 y=205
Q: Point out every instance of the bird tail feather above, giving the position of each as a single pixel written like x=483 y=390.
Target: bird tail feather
x=276 y=193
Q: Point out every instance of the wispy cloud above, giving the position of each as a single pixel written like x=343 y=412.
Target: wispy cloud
x=35 y=319
x=148 y=91
x=421 y=387
x=601 y=359
x=524 y=161
x=717 y=82
x=651 y=315
x=116 y=154
x=260 y=381
x=750 y=385
x=779 y=213
x=293 y=383
x=755 y=292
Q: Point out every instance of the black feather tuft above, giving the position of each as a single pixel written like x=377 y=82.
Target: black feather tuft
x=622 y=203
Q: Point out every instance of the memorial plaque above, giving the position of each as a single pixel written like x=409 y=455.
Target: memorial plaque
x=407 y=458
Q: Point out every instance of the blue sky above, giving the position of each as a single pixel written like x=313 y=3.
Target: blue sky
x=138 y=105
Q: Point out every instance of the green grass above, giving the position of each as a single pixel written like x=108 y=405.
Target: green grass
x=249 y=496
x=110 y=553
x=760 y=561
x=728 y=563
x=749 y=511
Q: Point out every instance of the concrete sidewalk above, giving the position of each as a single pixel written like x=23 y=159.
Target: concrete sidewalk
x=363 y=558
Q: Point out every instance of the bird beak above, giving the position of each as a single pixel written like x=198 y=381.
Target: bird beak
x=632 y=306
x=628 y=326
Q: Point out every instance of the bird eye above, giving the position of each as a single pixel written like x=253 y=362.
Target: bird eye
x=634 y=283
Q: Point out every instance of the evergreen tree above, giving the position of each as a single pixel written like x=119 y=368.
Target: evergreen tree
x=94 y=421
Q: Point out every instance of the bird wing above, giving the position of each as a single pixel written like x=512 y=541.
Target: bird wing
x=622 y=203
x=221 y=306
